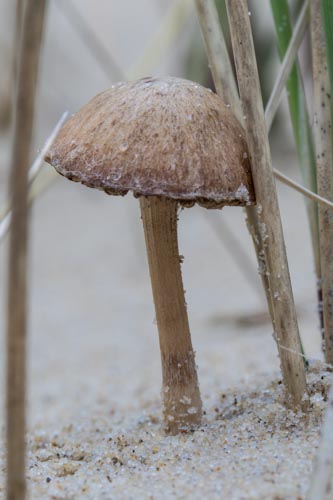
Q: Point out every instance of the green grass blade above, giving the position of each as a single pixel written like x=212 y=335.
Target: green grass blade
x=299 y=118
x=296 y=96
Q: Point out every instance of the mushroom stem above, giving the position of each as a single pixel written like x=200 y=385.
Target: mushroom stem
x=182 y=401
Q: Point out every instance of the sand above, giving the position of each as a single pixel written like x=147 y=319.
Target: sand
x=249 y=447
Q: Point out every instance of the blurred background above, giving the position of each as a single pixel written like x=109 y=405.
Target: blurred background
x=93 y=336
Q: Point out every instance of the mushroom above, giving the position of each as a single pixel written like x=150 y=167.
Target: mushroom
x=171 y=142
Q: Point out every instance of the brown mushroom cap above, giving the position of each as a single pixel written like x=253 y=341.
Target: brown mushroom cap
x=158 y=136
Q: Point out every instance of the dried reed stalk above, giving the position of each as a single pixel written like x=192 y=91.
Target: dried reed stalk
x=8 y=90
x=19 y=11
x=225 y=85
x=324 y=202
x=323 y=145
x=6 y=213
x=165 y=34
x=30 y=41
x=236 y=250
x=217 y=53
x=286 y=327
x=102 y=55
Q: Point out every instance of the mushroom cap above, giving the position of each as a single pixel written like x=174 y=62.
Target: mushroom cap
x=164 y=137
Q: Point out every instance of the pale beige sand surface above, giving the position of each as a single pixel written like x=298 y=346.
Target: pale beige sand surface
x=249 y=446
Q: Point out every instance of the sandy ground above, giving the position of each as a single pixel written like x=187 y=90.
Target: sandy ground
x=95 y=427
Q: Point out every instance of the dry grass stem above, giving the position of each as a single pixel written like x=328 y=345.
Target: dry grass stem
x=323 y=145
x=19 y=11
x=30 y=38
x=286 y=327
x=7 y=87
x=227 y=236
x=5 y=214
x=287 y=64
x=225 y=84
x=217 y=53
x=103 y=56
x=163 y=37
x=36 y=189
x=226 y=87
x=324 y=202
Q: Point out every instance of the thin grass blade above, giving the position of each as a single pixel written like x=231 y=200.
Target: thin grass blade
x=30 y=42
x=300 y=122
x=102 y=55
x=225 y=85
x=286 y=327
x=6 y=214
